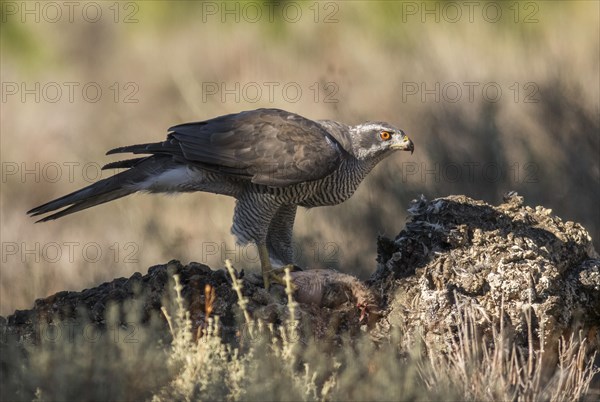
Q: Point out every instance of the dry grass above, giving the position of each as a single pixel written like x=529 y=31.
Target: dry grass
x=496 y=369
x=467 y=367
x=75 y=360
x=281 y=364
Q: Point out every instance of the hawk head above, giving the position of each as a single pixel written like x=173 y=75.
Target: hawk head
x=376 y=140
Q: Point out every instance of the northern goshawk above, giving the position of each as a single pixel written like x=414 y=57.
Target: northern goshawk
x=270 y=160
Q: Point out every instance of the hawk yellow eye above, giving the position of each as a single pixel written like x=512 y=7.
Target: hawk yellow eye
x=385 y=135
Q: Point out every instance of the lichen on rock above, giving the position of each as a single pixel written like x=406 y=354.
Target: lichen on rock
x=511 y=263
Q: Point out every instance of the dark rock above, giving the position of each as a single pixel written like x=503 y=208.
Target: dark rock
x=156 y=289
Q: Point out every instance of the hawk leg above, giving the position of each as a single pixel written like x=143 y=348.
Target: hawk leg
x=278 y=275
x=265 y=264
x=268 y=273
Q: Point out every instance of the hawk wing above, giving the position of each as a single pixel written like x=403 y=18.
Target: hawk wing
x=269 y=146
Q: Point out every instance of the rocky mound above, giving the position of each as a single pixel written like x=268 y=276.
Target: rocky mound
x=510 y=263
x=331 y=303
x=500 y=260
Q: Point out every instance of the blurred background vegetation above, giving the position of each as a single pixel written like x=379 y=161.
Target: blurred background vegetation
x=497 y=96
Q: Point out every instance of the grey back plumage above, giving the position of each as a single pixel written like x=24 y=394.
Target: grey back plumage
x=270 y=146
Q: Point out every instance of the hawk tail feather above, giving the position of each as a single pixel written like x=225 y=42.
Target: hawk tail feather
x=83 y=204
x=105 y=190
x=127 y=163
x=170 y=146
x=134 y=149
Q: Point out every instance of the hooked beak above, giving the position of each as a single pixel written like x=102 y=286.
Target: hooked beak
x=405 y=145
